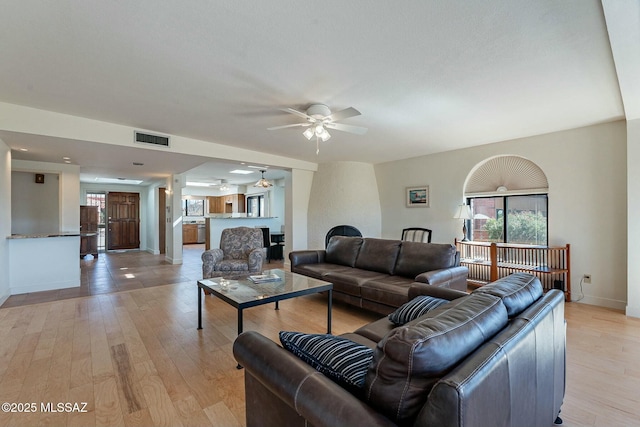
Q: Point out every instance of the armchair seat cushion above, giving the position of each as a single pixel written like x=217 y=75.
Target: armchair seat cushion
x=232 y=265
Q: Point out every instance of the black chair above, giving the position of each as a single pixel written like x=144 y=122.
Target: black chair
x=416 y=234
x=266 y=241
x=341 y=230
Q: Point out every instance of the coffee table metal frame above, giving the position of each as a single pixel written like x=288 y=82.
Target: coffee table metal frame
x=263 y=299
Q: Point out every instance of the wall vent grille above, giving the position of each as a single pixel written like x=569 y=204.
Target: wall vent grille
x=147 y=138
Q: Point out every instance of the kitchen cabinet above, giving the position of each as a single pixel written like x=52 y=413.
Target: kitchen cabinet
x=189 y=234
x=238 y=203
x=231 y=203
x=216 y=204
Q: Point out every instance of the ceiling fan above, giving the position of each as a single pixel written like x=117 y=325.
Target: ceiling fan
x=319 y=118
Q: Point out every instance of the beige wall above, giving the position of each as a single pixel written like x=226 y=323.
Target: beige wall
x=39 y=211
x=586 y=169
x=343 y=193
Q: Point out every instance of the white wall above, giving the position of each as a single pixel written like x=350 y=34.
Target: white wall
x=343 y=193
x=586 y=169
x=633 y=226
x=34 y=207
x=5 y=219
x=149 y=222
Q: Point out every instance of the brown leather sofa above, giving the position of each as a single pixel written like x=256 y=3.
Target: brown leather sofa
x=376 y=274
x=495 y=357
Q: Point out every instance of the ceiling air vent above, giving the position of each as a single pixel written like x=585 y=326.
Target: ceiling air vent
x=147 y=138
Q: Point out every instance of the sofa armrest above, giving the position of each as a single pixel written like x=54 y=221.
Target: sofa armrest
x=316 y=398
x=419 y=288
x=209 y=260
x=306 y=257
x=453 y=277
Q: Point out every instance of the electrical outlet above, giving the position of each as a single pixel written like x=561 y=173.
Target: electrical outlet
x=587 y=278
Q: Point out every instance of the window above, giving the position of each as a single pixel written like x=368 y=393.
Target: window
x=510 y=219
x=193 y=207
x=255 y=206
x=99 y=199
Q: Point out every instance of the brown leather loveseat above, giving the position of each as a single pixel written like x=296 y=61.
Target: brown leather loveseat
x=495 y=357
x=376 y=274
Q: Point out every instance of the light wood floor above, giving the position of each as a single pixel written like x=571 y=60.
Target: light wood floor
x=136 y=358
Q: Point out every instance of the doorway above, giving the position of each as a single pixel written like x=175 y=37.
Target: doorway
x=123 y=221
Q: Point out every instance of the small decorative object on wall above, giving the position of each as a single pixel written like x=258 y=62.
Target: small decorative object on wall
x=418 y=197
x=39 y=178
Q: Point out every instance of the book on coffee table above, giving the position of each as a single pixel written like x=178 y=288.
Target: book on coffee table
x=264 y=278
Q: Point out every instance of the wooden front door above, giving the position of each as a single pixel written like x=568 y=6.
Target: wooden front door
x=123 y=221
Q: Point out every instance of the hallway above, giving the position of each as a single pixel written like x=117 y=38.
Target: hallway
x=124 y=271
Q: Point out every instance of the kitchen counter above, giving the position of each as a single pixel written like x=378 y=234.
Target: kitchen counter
x=42 y=235
x=216 y=225
x=244 y=217
x=43 y=262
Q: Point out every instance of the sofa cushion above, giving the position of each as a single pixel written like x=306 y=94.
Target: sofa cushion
x=415 y=258
x=378 y=255
x=343 y=250
x=411 y=358
x=350 y=281
x=414 y=309
x=318 y=271
x=517 y=291
x=340 y=359
x=389 y=290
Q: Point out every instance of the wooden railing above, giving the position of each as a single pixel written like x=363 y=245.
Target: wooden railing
x=488 y=262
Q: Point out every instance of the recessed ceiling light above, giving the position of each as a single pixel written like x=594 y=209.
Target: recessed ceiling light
x=67 y=161
x=198 y=184
x=118 y=181
x=24 y=149
x=241 y=171
x=66 y=158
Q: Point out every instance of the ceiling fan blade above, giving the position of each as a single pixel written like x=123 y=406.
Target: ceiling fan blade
x=344 y=114
x=298 y=113
x=289 y=126
x=347 y=128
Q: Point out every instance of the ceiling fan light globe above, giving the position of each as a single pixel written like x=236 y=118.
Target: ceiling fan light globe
x=308 y=133
x=325 y=136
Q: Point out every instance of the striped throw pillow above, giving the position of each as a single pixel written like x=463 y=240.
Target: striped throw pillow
x=344 y=361
x=414 y=309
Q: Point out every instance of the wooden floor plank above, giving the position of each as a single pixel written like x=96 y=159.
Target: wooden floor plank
x=92 y=349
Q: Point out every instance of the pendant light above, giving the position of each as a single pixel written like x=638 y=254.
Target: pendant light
x=263 y=183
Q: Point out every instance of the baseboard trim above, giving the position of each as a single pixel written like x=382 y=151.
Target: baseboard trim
x=602 y=302
x=39 y=287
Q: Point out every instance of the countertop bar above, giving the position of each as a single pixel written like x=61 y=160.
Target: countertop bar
x=241 y=217
x=42 y=235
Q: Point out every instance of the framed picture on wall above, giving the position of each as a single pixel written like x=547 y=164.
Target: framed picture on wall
x=418 y=197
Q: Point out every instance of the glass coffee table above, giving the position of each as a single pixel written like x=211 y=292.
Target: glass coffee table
x=243 y=293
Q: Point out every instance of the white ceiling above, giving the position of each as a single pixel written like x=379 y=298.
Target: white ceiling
x=428 y=76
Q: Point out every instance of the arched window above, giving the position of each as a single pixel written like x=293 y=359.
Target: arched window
x=508 y=196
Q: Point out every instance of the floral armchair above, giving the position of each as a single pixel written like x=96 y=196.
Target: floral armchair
x=240 y=253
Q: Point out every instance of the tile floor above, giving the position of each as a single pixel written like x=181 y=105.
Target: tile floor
x=123 y=271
